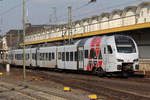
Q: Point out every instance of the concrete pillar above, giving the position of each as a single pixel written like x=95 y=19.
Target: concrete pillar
x=7 y=67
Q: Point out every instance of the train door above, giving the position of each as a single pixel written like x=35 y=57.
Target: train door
x=61 y=57
x=81 y=58
x=110 y=58
x=38 y=57
x=104 y=58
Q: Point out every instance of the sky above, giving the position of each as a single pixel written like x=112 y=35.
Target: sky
x=43 y=11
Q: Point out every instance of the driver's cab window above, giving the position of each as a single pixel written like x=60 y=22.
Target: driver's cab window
x=109 y=49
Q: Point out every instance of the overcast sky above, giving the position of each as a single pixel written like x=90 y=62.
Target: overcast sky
x=42 y=11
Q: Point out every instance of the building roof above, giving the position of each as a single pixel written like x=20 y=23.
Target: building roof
x=15 y=31
x=105 y=14
x=33 y=29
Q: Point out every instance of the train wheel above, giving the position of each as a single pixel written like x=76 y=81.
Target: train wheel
x=100 y=72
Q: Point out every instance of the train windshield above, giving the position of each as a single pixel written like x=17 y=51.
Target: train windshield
x=124 y=44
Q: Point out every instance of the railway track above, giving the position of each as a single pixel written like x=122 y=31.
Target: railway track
x=29 y=92
x=9 y=94
x=109 y=88
x=115 y=89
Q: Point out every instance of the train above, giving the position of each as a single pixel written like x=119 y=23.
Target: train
x=98 y=54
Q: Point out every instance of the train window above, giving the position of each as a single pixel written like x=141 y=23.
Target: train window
x=21 y=56
x=63 y=56
x=104 y=50
x=40 y=56
x=80 y=54
x=86 y=54
x=93 y=54
x=59 y=55
x=100 y=54
x=15 y=56
x=71 y=56
x=43 y=58
x=26 y=56
x=50 y=56
x=53 y=56
x=109 y=49
x=76 y=56
x=125 y=44
x=67 y=56
x=33 y=56
x=47 y=56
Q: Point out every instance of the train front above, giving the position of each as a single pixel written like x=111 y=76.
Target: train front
x=127 y=54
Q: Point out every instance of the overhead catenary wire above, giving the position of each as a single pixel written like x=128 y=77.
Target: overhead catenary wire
x=73 y=9
x=7 y=11
x=12 y=8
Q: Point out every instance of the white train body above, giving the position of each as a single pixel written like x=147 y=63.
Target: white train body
x=114 y=53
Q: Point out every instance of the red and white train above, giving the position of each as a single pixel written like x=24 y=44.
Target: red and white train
x=100 y=54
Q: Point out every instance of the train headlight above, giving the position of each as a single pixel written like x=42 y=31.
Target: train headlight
x=120 y=60
x=136 y=60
